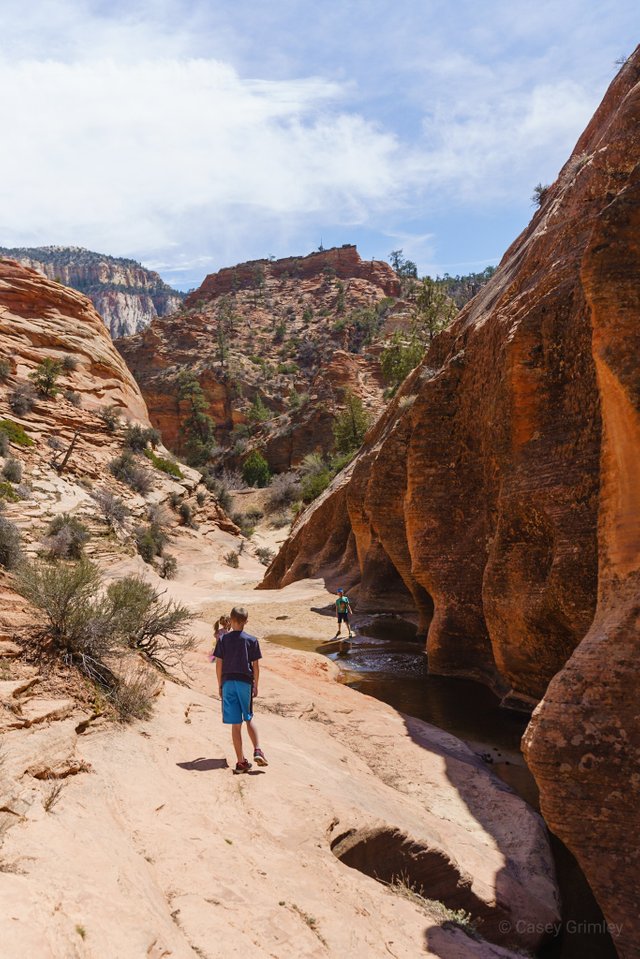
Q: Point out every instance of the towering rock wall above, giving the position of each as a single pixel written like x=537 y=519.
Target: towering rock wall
x=124 y=293
x=500 y=496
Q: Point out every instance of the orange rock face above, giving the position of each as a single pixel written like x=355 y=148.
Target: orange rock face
x=41 y=318
x=343 y=262
x=305 y=326
x=499 y=496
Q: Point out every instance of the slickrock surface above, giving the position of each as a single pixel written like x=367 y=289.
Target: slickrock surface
x=503 y=485
x=295 y=333
x=41 y=318
x=126 y=295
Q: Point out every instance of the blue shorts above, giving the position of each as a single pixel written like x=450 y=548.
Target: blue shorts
x=236 y=701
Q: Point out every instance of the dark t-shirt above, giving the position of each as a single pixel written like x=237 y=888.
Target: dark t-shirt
x=237 y=650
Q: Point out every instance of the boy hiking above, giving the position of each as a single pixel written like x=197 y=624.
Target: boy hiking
x=238 y=670
x=343 y=611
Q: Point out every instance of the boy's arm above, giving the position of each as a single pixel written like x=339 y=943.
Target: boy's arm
x=255 y=667
x=219 y=674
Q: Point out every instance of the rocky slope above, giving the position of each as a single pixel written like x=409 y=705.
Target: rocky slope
x=498 y=498
x=121 y=840
x=126 y=295
x=293 y=333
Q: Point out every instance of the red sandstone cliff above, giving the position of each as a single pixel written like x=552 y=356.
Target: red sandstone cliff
x=277 y=330
x=40 y=318
x=343 y=262
x=500 y=497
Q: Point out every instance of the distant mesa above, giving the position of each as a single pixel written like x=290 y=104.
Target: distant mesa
x=126 y=295
x=343 y=262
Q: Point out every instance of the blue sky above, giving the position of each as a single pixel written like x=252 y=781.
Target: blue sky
x=193 y=135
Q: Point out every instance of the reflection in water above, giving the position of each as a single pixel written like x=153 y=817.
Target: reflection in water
x=389 y=664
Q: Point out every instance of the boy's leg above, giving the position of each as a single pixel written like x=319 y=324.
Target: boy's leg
x=252 y=729
x=236 y=737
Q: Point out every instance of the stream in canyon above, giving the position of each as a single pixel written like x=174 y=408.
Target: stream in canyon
x=386 y=661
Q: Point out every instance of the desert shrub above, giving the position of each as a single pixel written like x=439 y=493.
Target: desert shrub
x=5 y=370
x=221 y=493
x=283 y=491
x=185 y=512
x=201 y=497
x=255 y=470
x=280 y=519
x=126 y=469
x=175 y=499
x=297 y=400
x=87 y=626
x=254 y=515
x=158 y=515
x=22 y=399
x=168 y=567
x=232 y=479
x=340 y=460
x=137 y=438
x=110 y=416
x=10 y=544
x=539 y=192
x=258 y=412
x=24 y=490
x=243 y=523
x=232 y=559
x=150 y=541
x=72 y=397
x=134 y=693
x=15 y=433
x=154 y=627
x=55 y=443
x=45 y=377
x=7 y=493
x=314 y=484
x=69 y=363
x=66 y=537
x=4 y=444
x=113 y=509
x=265 y=555
x=12 y=470
x=164 y=464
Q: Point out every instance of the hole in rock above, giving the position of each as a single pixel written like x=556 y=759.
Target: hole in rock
x=388 y=855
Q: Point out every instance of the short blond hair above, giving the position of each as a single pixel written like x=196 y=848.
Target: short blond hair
x=239 y=612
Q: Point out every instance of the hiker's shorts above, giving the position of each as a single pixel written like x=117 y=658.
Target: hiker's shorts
x=236 y=701
x=343 y=618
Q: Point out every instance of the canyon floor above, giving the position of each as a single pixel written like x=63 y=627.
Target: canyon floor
x=151 y=847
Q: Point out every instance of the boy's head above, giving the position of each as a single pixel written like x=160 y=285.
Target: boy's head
x=340 y=592
x=239 y=616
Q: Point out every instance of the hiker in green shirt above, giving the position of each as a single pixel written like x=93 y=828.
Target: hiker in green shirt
x=343 y=611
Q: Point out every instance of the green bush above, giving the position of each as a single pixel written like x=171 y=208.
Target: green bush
x=10 y=544
x=4 y=444
x=314 y=484
x=72 y=397
x=12 y=470
x=15 y=433
x=258 y=412
x=150 y=541
x=45 y=377
x=255 y=470
x=66 y=537
x=243 y=523
x=201 y=497
x=7 y=493
x=88 y=626
x=126 y=469
x=351 y=424
x=5 y=370
x=185 y=513
x=137 y=438
x=164 y=464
